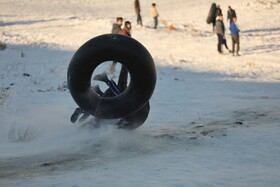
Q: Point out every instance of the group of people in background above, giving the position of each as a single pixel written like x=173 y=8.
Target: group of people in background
x=126 y=30
x=154 y=13
x=219 y=28
x=117 y=27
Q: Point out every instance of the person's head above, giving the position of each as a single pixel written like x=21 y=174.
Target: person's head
x=218 y=6
x=127 y=25
x=220 y=17
x=154 y=5
x=229 y=7
x=234 y=19
x=119 y=21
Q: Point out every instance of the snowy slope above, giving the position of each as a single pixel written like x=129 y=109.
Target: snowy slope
x=214 y=119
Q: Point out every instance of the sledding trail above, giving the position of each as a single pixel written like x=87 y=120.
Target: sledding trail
x=107 y=145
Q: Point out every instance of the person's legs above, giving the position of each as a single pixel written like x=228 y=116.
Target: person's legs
x=139 y=19
x=220 y=42
x=122 y=82
x=225 y=43
x=155 y=22
x=235 y=40
x=238 y=46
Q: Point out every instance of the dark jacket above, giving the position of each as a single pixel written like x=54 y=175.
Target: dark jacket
x=218 y=12
x=116 y=28
x=137 y=6
x=231 y=14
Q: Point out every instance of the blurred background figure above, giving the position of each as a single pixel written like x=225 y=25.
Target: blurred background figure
x=127 y=29
x=231 y=14
x=235 y=36
x=138 y=10
x=220 y=30
x=117 y=26
x=155 y=15
x=218 y=11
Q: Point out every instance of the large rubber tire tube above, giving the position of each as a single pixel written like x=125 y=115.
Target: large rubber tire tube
x=136 y=119
x=122 y=49
x=211 y=15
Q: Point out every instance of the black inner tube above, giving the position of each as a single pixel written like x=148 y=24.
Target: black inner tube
x=122 y=49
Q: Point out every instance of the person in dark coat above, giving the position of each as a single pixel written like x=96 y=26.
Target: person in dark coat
x=117 y=26
x=231 y=14
x=235 y=36
x=138 y=10
x=220 y=30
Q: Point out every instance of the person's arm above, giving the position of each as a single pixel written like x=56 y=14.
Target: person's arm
x=236 y=28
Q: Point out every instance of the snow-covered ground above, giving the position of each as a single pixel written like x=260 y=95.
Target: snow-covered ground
x=214 y=119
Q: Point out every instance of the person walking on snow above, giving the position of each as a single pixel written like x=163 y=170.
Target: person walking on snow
x=117 y=26
x=220 y=30
x=155 y=15
x=235 y=36
x=138 y=10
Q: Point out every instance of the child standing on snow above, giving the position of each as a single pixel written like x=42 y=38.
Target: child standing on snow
x=127 y=29
x=155 y=15
x=220 y=30
x=235 y=36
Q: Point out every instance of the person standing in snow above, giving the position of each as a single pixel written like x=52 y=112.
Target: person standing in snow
x=138 y=10
x=235 y=36
x=231 y=14
x=127 y=29
x=117 y=26
x=155 y=15
x=220 y=30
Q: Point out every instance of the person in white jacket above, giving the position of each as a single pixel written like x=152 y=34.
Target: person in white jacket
x=155 y=15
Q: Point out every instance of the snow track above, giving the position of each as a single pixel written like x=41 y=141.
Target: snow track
x=118 y=145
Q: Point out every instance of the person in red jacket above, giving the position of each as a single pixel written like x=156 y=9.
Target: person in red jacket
x=127 y=29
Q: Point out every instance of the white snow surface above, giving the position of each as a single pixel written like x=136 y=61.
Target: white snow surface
x=214 y=119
